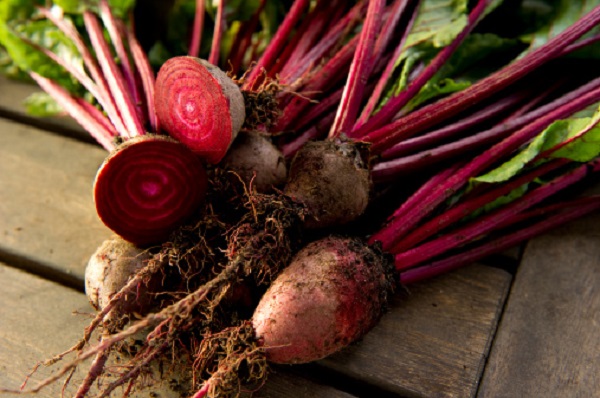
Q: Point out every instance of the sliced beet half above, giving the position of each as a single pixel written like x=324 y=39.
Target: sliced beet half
x=148 y=187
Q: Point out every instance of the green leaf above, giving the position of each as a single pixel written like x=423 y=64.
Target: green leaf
x=436 y=88
x=42 y=105
x=512 y=167
x=120 y=8
x=438 y=22
x=582 y=149
x=499 y=202
x=27 y=58
x=559 y=15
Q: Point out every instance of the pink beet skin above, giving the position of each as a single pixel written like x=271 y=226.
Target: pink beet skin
x=332 y=293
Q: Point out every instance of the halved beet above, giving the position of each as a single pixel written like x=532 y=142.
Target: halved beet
x=148 y=187
x=199 y=105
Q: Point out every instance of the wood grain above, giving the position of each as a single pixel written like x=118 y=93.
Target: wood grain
x=12 y=96
x=36 y=322
x=548 y=343
x=434 y=342
x=47 y=215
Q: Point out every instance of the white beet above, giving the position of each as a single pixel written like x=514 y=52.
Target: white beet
x=109 y=269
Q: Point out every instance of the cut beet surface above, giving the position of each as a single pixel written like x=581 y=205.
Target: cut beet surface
x=148 y=187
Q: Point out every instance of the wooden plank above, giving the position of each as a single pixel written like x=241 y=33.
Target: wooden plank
x=548 y=343
x=47 y=215
x=12 y=96
x=433 y=342
x=283 y=384
x=37 y=322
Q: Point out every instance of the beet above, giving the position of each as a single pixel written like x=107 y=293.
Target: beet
x=147 y=187
x=333 y=292
x=331 y=179
x=109 y=269
x=254 y=158
x=199 y=105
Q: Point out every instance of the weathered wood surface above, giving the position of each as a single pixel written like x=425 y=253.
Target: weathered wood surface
x=12 y=96
x=36 y=322
x=433 y=341
x=548 y=343
x=47 y=216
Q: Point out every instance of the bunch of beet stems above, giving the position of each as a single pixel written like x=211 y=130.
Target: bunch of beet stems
x=124 y=91
x=368 y=62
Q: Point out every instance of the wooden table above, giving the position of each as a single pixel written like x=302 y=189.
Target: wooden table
x=482 y=331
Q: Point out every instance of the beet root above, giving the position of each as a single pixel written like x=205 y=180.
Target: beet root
x=147 y=187
x=109 y=269
x=332 y=180
x=254 y=158
x=333 y=292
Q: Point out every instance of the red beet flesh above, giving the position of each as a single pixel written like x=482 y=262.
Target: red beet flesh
x=198 y=105
x=149 y=186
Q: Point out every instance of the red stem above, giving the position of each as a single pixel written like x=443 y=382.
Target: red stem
x=97 y=115
x=582 y=43
x=327 y=76
x=579 y=209
x=456 y=213
x=389 y=68
x=202 y=392
x=360 y=70
x=243 y=39
x=307 y=35
x=332 y=38
x=413 y=144
x=384 y=171
x=117 y=39
x=276 y=45
x=394 y=105
x=394 y=231
x=487 y=223
x=197 y=28
x=100 y=91
x=417 y=121
x=525 y=108
x=426 y=190
x=96 y=128
x=317 y=110
x=147 y=76
x=113 y=76
x=215 y=49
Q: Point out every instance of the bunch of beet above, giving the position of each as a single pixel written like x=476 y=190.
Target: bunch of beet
x=228 y=197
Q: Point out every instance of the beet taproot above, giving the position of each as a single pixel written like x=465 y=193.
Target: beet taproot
x=331 y=178
x=333 y=292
